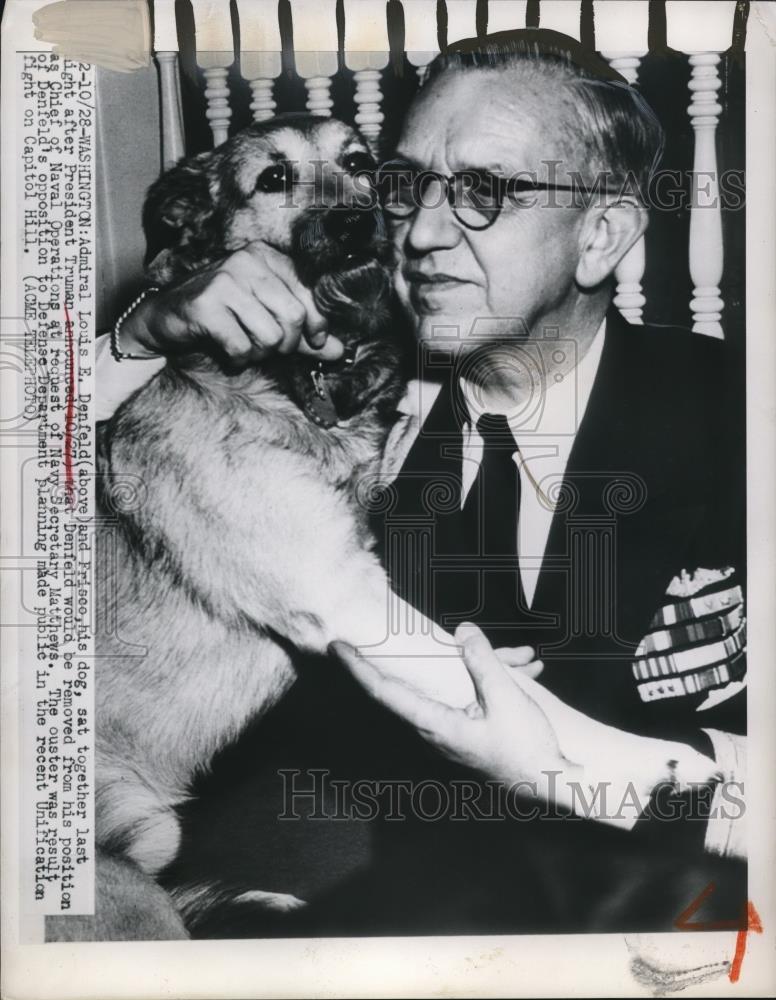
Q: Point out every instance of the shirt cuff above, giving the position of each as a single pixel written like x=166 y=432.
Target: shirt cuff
x=116 y=380
x=726 y=829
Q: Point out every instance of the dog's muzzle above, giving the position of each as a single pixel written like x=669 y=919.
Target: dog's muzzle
x=353 y=229
x=344 y=256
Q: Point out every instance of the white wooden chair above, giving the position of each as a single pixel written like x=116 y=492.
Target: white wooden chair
x=623 y=30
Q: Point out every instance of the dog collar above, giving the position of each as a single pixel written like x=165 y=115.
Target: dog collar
x=318 y=403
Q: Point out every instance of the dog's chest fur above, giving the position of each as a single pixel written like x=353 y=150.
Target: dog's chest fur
x=202 y=448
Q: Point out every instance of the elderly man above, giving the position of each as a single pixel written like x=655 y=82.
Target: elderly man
x=598 y=505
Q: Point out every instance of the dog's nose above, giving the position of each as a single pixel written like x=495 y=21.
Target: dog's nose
x=352 y=227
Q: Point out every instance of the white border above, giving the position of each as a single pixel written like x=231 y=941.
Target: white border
x=580 y=965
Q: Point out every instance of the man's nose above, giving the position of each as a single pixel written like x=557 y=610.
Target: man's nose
x=351 y=227
x=433 y=226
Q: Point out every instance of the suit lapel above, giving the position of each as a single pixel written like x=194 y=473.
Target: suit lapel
x=617 y=523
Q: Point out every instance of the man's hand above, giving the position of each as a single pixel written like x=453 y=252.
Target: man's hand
x=249 y=305
x=504 y=733
x=519 y=732
x=522 y=659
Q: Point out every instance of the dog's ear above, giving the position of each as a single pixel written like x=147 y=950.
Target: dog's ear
x=178 y=207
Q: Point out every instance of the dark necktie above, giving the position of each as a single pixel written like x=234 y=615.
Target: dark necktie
x=435 y=552
x=490 y=522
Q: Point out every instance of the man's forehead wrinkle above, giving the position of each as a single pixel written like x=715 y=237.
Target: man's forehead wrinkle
x=508 y=118
x=546 y=109
x=553 y=94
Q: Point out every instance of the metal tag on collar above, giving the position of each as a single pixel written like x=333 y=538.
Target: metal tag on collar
x=320 y=406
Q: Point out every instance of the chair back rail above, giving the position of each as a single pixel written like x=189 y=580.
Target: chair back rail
x=336 y=47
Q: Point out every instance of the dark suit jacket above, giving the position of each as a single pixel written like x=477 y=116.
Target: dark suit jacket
x=658 y=467
x=655 y=484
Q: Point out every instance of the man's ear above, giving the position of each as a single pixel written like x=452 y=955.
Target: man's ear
x=607 y=235
x=179 y=206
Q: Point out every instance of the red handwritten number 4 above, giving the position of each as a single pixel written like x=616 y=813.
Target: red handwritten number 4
x=750 y=922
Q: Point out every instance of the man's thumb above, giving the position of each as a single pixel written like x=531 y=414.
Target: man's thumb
x=486 y=670
x=331 y=350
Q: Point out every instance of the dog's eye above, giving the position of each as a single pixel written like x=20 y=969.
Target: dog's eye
x=278 y=177
x=359 y=162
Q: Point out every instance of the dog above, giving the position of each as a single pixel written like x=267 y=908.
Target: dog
x=232 y=528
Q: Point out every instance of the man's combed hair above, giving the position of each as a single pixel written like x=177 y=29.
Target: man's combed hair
x=617 y=128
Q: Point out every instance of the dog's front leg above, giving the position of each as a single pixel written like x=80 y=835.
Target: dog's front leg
x=412 y=649
x=286 y=553
x=355 y=603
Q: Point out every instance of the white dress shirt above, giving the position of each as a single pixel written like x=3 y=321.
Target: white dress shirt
x=544 y=427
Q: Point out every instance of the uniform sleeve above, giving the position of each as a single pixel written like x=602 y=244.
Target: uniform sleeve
x=699 y=643
x=726 y=830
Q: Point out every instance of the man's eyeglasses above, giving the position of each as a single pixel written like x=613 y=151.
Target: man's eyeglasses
x=475 y=196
